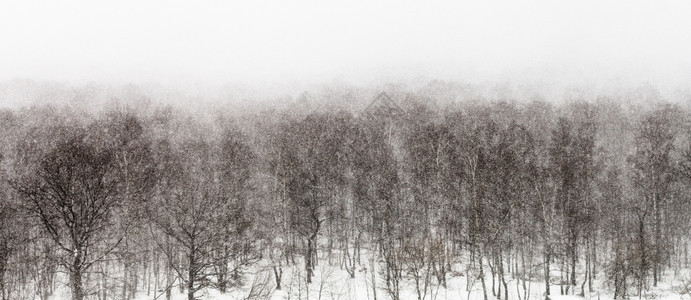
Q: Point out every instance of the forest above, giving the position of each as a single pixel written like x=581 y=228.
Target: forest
x=409 y=194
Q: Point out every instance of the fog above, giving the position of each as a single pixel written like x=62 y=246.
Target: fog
x=300 y=149
x=290 y=46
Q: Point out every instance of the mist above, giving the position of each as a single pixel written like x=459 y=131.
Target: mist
x=217 y=150
x=273 y=48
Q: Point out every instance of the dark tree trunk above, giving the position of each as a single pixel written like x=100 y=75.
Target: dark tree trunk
x=124 y=281
x=658 y=239
x=308 y=260
x=547 y=260
x=76 y=281
x=644 y=263
x=278 y=273
x=482 y=274
x=223 y=271
x=191 y=275
x=222 y=284
x=2 y=279
x=574 y=259
x=503 y=280
x=3 y=269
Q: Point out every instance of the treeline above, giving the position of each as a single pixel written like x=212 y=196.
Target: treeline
x=133 y=200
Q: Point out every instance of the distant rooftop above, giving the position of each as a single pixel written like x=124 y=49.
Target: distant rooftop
x=382 y=106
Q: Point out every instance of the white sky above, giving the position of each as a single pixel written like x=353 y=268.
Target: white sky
x=354 y=41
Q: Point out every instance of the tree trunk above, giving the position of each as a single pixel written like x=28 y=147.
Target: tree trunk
x=503 y=280
x=574 y=259
x=223 y=270
x=76 y=281
x=169 y=280
x=374 y=281
x=190 y=278
x=547 y=260
x=169 y=270
x=105 y=280
x=3 y=270
x=491 y=269
x=482 y=274
x=147 y=273
x=2 y=280
x=644 y=263
x=591 y=262
x=222 y=284
x=124 y=281
x=278 y=273
x=686 y=253
x=191 y=272
x=308 y=260
x=657 y=241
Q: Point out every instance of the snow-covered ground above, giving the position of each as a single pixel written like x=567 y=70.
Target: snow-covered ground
x=331 y=282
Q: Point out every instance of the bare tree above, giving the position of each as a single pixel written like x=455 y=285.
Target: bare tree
x=72 y=191
x=195 y=214
x=654 y=175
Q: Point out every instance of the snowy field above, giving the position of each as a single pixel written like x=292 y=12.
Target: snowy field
x=332 y=282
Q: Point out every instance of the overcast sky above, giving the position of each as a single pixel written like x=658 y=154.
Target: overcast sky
x=353 y=41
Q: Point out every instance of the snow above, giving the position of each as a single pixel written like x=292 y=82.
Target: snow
x=331 y=282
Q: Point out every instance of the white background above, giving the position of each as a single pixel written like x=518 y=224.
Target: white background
x=262 y=42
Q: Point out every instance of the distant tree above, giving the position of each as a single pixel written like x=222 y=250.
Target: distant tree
x=10 y=227
x=654 y=175
x=235 y=168
x=538 y=119
x=13 y=232
x=619 y=227
x=684 y=166
x=430 y=156
x=379 y=192
x=315 y=157
x=196 y=214
x=72 y=191
x=124 y=132
x=272 y=131
x=417 y=183
x=476 y=133
x=572 y=148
